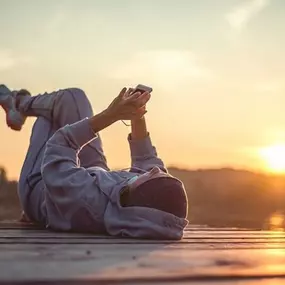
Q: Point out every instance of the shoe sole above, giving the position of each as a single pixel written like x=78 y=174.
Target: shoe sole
x=14 y=119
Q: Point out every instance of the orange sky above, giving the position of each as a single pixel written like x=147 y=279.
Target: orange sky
x=217 y=69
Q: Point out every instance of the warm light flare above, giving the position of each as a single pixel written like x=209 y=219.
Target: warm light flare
x=274 y=157
x=276 y=221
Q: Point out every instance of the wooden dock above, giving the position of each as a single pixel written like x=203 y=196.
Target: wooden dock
x=29 y=255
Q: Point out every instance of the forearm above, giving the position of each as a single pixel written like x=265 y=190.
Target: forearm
x=139 y=129
x=101 y=121
x=143 y=153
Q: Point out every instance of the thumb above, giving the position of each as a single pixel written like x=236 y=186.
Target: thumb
x=122 y=93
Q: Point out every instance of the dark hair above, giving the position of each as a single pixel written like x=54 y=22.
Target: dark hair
x=164 y=193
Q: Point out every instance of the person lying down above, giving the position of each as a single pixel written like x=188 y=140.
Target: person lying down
x=65 y=183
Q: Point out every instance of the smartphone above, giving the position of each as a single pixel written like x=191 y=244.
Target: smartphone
x=143 y=88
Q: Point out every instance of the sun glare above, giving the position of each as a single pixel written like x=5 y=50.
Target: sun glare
x=274 y=157
x=276 y=221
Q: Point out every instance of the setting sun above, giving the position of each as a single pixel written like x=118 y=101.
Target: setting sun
x=274 y=157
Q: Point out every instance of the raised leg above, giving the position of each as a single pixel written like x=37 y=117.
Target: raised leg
x=54 y=110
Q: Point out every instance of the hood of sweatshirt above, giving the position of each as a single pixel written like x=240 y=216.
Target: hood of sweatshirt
x=137 y=222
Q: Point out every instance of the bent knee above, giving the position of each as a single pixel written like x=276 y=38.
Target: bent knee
x=73 y=95
x=74 y=92
x=74 y=104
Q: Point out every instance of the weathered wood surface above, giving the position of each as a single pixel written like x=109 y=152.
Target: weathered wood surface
x=29 y=255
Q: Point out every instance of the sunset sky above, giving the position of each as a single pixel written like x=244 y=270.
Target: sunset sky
x=217 y=69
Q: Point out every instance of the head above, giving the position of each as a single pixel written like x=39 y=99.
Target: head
x=156 y=189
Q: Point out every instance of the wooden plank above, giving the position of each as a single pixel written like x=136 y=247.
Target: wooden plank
x=187 y=235
x=14 y=224
x=152 y=262
x=206 y=281
x=18 y=225
x=119 y=241
x=29 y=254
x=230 y=281
x=193 y=246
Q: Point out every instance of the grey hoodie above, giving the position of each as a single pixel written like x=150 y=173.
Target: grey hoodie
x=80 y=199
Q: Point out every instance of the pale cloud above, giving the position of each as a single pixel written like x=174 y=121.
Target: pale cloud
x=270 y=86
x=56 y=20
x=164 y=67
x=240 y=16
x=9 y=60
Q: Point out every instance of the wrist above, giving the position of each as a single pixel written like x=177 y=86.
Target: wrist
x=139 y=129
x=109 y=116
x=138 y=120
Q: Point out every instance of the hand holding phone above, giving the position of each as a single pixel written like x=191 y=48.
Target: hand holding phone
x=142 y=89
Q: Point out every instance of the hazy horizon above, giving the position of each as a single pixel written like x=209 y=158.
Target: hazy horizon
x=217 y=69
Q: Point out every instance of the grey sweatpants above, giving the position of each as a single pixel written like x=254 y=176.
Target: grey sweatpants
x=53 y=111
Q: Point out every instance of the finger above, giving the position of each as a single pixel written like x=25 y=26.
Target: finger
x=145 y=97
x=133 y=97
x=122 y=93
x=142 y=100
x=129 y=92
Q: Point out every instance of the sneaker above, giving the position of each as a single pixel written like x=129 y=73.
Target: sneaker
x=14 y=118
